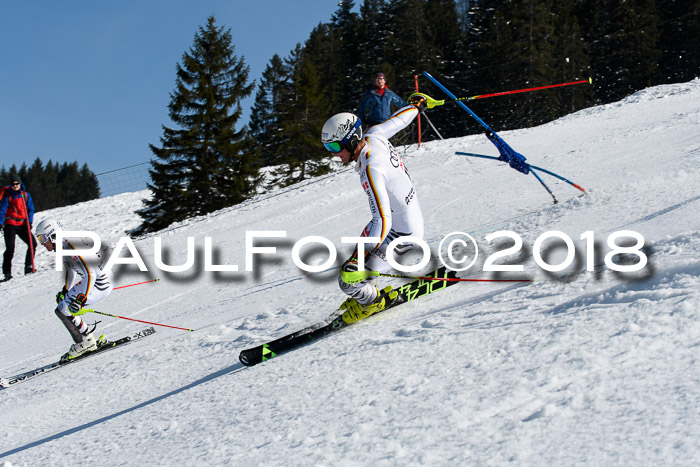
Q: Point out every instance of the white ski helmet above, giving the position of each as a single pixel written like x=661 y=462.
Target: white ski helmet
x=46 y=230
x=342 y=131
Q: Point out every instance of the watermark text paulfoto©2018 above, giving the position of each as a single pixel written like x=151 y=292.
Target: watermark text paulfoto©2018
x=457 y=251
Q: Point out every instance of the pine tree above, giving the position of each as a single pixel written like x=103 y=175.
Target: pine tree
x=264 y=124
x=622 y=39
x=23 y=171
x=571 y=61
x=680 y=39
x=374 y=31
x=89 y=186
x=494 y=56
x=305 y=110
x=54 y=193
x=518 y=47
x=204 y=164
x=69 y=181
x=347 y=76
x=321 y=50
x=409 y=48
x=39 y=186
x=445 y=31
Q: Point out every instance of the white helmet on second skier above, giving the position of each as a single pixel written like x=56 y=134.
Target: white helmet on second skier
x=342 y=131
x=46 y=230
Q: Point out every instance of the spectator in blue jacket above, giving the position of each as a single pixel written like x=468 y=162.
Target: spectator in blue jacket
x=16 y=216
x=378 y=101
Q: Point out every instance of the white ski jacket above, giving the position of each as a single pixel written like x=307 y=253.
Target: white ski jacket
x=84 y=273
x=392 y=197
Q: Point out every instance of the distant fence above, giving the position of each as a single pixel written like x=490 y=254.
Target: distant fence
x=126 y=179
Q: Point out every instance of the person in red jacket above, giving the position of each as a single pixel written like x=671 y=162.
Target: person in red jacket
x=16 y=216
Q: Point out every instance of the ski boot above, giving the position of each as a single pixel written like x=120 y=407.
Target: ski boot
x=89 y=344
x=354 y=311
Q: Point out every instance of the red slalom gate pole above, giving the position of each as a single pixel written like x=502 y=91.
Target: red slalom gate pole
x=29 y=231
x=482 y=96
x=132 y=319
x=139 y=283
x=415 y=77
x=430 y=102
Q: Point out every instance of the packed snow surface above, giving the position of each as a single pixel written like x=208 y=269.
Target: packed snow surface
x=579 y=367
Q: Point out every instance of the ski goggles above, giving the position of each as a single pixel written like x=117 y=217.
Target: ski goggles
x=334 y=146
x=43 y=238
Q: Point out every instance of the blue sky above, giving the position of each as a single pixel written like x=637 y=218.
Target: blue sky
x=89 y=81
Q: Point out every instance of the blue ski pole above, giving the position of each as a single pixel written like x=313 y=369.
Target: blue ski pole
x=482 y=156
x=508 y=154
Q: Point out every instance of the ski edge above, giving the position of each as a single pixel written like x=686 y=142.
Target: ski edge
x=407 y=293
x=8 y=382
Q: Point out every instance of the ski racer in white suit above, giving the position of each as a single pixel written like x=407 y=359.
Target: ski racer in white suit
x=392 y=198
x=87 y=282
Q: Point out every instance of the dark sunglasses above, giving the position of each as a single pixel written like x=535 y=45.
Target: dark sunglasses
x=16 y=183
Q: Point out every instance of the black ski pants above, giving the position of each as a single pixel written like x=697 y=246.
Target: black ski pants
x=10 y=232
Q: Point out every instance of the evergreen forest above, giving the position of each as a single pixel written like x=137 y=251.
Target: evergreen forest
x=54 y=185
x=475 y=47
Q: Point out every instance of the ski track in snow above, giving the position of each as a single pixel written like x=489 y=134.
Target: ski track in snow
x=575 y=368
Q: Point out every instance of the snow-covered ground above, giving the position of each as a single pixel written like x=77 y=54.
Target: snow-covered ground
x=578 y=367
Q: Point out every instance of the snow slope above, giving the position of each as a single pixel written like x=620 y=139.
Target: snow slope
x=577 y=368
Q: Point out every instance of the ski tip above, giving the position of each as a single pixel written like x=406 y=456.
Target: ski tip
x=246 y=357
x=590 y=79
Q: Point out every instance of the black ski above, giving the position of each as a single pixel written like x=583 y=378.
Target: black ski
x=407 y=293
x=105 y=347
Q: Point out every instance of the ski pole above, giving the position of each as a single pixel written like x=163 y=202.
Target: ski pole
x=29 y=231
x=433 y=126
x=132 y=319
x=460 y=103
x=138 y=283
x=539 y=179
x=447 y=279
x=500 y=144
x=430 y=102
x=575 y=185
